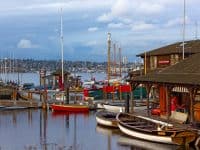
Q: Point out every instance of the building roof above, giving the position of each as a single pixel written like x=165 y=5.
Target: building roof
x=186 y=71
x=191 y=47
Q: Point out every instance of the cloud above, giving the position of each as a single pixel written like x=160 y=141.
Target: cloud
x=92 y=29
x=47 y=6
x=141 y=26
x=177 y=21
x=24 y=43
x=128 y=9
x=105 y=18
x=121 y=8
x=116 y=25
x=149 y=8
x=91 y=43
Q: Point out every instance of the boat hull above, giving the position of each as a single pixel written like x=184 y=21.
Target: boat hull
x=143 y=136
x=114 y=108
x=108 y=119
x=154 y=130
x=70 y=108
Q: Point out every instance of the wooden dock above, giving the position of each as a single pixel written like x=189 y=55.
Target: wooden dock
x=20 y=103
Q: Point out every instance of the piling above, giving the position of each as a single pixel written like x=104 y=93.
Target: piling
x=127 y=103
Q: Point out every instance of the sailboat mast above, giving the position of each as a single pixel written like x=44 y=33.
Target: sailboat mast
x=184 y=30
x=109 y=46
x=62 y=49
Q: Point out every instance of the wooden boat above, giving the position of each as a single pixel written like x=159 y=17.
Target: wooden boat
x=119 y=107
x=114 y=107
x=70 y=107
x=153 y=130
x=106 y=118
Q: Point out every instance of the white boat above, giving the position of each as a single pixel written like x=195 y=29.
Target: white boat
x=153 y=130
x=114 y=107
x=106 y=118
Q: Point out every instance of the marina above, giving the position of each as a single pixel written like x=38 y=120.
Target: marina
x=101 y=121
x=75 y=86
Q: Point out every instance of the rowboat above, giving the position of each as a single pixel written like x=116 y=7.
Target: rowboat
x=70 y=107
x=153 y=130
x=106 y=118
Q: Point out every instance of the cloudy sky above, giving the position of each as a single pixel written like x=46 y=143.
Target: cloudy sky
x=31 y=28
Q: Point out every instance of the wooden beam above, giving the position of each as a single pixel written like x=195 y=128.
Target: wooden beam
x=168 y=100
x=192 y=92
x=148 y=88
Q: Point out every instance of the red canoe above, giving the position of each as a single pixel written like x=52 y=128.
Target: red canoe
x=70 y=107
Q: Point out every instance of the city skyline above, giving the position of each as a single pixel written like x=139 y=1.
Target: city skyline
x=31 y=29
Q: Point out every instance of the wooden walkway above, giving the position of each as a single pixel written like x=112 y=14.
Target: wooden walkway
x=20 y=103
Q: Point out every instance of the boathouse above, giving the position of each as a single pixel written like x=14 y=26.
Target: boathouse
x=168 y=55
x=182 y=79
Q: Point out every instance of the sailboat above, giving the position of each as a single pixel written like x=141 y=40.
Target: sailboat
x=67 y=107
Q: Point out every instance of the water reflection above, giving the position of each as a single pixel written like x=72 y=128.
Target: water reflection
x=140 y=144
x=35 y=129
x=109 y=133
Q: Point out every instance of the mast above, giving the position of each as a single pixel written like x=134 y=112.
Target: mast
x=114 y=63
x=184 y=31
x=145 y=63
x=62 y=49
x=109 y=43
x=120 y=62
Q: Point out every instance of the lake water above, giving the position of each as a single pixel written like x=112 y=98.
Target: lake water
x=44 y=130
x=35 y=77
x=34 y=129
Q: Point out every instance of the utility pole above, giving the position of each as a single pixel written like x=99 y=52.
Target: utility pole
x=196 y=30
x=184 y=30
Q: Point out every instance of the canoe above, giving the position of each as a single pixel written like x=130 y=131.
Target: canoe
x=106 y=118
x=153 y=130
x=70 y=107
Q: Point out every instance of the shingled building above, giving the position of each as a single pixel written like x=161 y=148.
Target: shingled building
x=170 y=74
x=169 y=55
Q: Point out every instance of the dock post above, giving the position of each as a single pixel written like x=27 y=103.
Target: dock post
x=120 y=93
x=44 y=100
x=67 y=94
x=127 y=103
x=132 y=102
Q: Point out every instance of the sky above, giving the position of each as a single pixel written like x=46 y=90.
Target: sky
x=31 y=28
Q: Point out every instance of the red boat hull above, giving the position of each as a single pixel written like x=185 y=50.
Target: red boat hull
x=70 y=108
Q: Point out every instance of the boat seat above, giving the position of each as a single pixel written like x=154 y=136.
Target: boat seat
x=144 y=126
x=135 y=123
